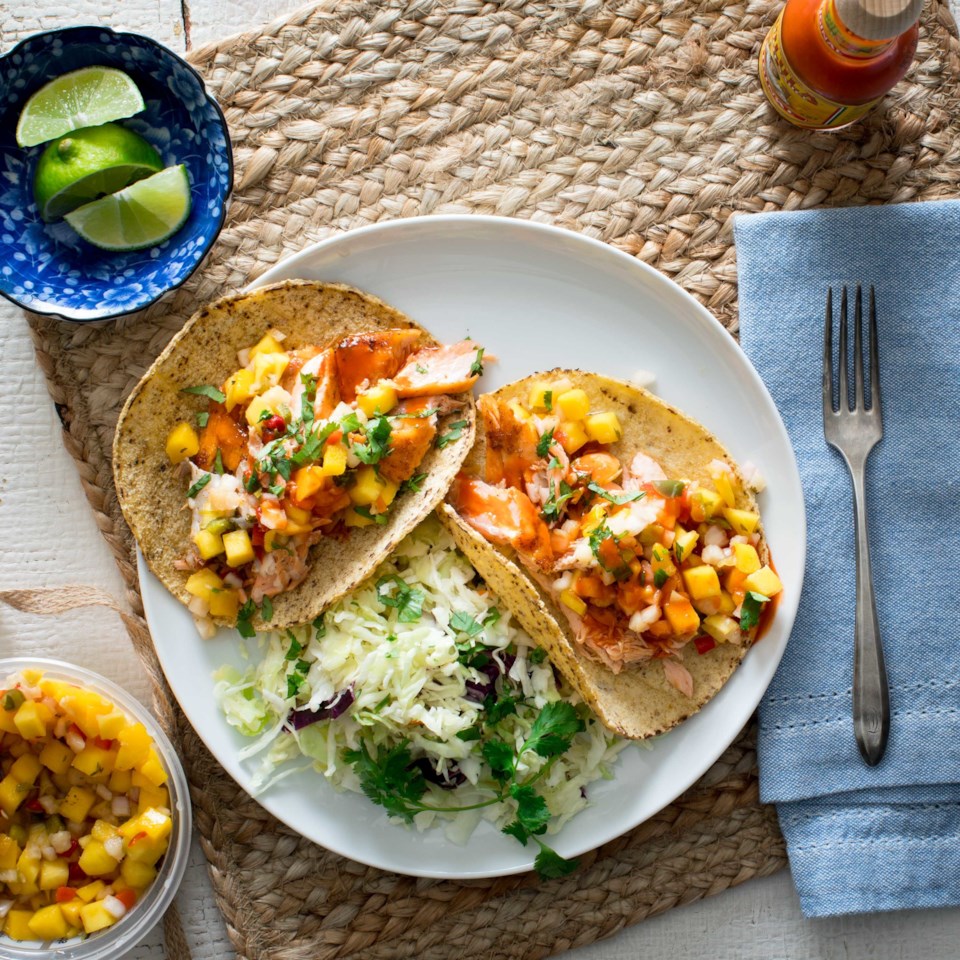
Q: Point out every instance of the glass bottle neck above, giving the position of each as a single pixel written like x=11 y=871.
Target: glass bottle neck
x=843 y=41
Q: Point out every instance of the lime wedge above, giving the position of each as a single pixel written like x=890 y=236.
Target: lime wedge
x=89 y=163
x=81 y=98
x=141 y=215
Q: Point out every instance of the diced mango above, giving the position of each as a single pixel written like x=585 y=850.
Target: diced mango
x=354 y=519
x=9 y=852
x=152 y=796
x=519 y=411
x=743 y=521
x=110 y=724
x=103 y=831
x=28 y=867
x=95 y=861
x=603 y=427
x=94 y=761
x=54 y=873
x=727 y=603
x=152 y=769
x=238 y=548
x=704 y=504
x=137 y=874
x=380 y=398
x=268 y=369
x=572 y=435
x=254 y=412
x=202 y=583
x=90 y=891
x=209 y=544
x=71 y=911
x=723 y=481
x=135 y=746
x=308 y=481
x=26 y=768
x=95 y=916
x=268 y=343
x=334 y=460
x=573 y=404
x=49 y=923
x=746 y=557
x=660 y=560
x=77 y=803
x=702 y=582
x=17 y=925
x=6 y=720
x=224 y=603
x=387 y=495
x=722 y=628
x=238 y=388
x=367 y=488
x=119 y=781
x=763 y=581
x=683 y=543
x=182 y=443
x=680 y=614
x=569 y=599
x=31 y=719
x=541 y=396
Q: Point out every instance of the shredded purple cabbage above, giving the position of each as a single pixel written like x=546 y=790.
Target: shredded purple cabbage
x=336 y=706
x=478 y=690
x=454 y=777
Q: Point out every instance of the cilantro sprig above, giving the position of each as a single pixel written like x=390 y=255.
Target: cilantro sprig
x=750 y=610
x=618 y=498
x=394 y=591
x=206 y=390
x=390 y=777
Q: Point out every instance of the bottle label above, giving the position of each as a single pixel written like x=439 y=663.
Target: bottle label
x=843 y=41
x=795 y=100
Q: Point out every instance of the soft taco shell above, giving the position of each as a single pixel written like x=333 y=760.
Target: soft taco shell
x=151 y=491
x=638 y=702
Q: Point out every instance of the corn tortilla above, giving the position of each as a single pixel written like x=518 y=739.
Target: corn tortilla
x=152 y=492
x=638 y=702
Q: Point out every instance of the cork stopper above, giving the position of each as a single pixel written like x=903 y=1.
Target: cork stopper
x=878 y=19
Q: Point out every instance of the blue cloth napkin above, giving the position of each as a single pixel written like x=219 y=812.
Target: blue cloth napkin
x=859 y=838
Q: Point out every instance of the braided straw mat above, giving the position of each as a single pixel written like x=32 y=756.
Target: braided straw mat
x=640 y=123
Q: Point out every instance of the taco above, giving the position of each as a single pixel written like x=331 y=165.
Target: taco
x=283 y=444
x=622 y=536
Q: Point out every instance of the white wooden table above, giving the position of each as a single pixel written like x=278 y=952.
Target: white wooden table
x=53 y=540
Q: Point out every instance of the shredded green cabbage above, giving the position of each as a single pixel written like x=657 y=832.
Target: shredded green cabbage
x=411 y=645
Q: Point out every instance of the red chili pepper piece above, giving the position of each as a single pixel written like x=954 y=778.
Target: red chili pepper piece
x=127 y=897
x=704 y=644
x=65 y=894
x=103 y=744
x=77 y=872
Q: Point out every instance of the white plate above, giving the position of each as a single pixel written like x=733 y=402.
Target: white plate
x=536 y=297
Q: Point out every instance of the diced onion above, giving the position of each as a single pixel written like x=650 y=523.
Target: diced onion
x=5 y=905
x=61 y=841
x=48 y=803
x=205 y=627
x=114 y=846
x=120 y=806
x=114 y=907
x=104 y=792
x=75 y=741
x=198 y=606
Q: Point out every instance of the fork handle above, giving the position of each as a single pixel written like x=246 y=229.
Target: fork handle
x=871 y=697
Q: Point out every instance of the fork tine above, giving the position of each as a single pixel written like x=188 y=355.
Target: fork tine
x=874 y=357
x=828 y=355
x=842 y=381
x=858 y=349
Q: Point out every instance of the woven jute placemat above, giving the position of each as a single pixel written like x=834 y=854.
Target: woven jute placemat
x=641 y=124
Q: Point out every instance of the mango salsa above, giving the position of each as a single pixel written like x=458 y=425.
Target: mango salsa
x=86 y=818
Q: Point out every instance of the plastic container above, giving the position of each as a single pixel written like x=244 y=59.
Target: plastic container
x=131 y=928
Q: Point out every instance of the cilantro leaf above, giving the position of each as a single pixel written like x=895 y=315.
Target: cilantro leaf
x=471 y=733
x=389 y=778
x=497 y=708
x=553 y=506
x=455 y=432
x=350 y=423
x=553 y=730
x=464 y=623
x=320 y=627
x=309 y=382
x=407 y=600
x=244 y=616
x=545 y=443
x=500 y=758
x=199 y=485
x=548 y=400
x=659 y=577
x=413 y=484
x=549 y=864
x=378 y=518
x=266 y=609
x=206 y=390
x=218 y=463
x=617 y=498
x=377 y=444
x=491 y=616
x=532 y=812
x=669 y=488
x=203 y=418
x=750 y=610
x=537 y=655
x=295 y=648
x=516 y=830
x=477 y=366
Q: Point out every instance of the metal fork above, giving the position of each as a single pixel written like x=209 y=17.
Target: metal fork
x=854 y=432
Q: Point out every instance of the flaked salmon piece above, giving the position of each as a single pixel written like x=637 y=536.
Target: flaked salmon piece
x=511 y=443
x=323 y=366
x=221 y=433
x=678 y=676
x=451 y=368
x=369 y=357
x=503 y=515
x=410 y=439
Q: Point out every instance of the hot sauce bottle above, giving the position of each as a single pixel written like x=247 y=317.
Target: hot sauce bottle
x=825 y=63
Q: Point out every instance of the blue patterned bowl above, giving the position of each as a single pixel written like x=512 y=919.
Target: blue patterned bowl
x=47 y=268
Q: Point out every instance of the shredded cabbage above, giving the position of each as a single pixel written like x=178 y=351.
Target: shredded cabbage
x=419 y=647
